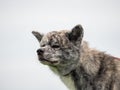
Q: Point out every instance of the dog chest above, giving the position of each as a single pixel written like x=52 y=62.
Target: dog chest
x=68 y=81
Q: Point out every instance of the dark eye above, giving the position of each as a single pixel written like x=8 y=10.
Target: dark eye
x=55 y=46
x=43 y=45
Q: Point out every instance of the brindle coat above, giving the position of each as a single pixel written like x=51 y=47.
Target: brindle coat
x=79 y=67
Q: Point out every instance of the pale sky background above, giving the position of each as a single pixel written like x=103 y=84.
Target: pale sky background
x=19 y=67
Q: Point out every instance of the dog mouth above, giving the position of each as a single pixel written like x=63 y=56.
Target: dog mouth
x=46 y=60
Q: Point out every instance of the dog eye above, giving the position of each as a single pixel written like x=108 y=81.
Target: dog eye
x=43 y=45
x=55 y=46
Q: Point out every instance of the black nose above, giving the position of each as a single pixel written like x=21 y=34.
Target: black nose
x=40 y=52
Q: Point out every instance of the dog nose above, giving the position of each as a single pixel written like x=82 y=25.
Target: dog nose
x=40 y=51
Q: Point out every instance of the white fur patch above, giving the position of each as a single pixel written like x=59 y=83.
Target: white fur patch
x=68 y=82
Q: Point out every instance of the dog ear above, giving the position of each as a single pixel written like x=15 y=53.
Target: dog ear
x=76 y=33
x=37 y=35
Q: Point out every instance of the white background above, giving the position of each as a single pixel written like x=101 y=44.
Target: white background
x=19 y=67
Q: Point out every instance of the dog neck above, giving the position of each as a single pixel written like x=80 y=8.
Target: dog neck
x=90 y=59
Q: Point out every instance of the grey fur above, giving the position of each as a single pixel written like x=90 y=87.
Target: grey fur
x=79 y=67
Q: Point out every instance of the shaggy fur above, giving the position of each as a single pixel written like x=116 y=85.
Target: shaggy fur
x=79 y=67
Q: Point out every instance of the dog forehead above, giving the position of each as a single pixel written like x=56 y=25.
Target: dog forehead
x=54 y=36
x=50 y=37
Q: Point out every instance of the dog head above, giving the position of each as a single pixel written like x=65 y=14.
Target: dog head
x=60 y=49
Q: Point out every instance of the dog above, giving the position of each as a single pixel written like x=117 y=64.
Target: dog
x=79 y=66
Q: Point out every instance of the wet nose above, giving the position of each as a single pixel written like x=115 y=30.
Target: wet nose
x=40 y=51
